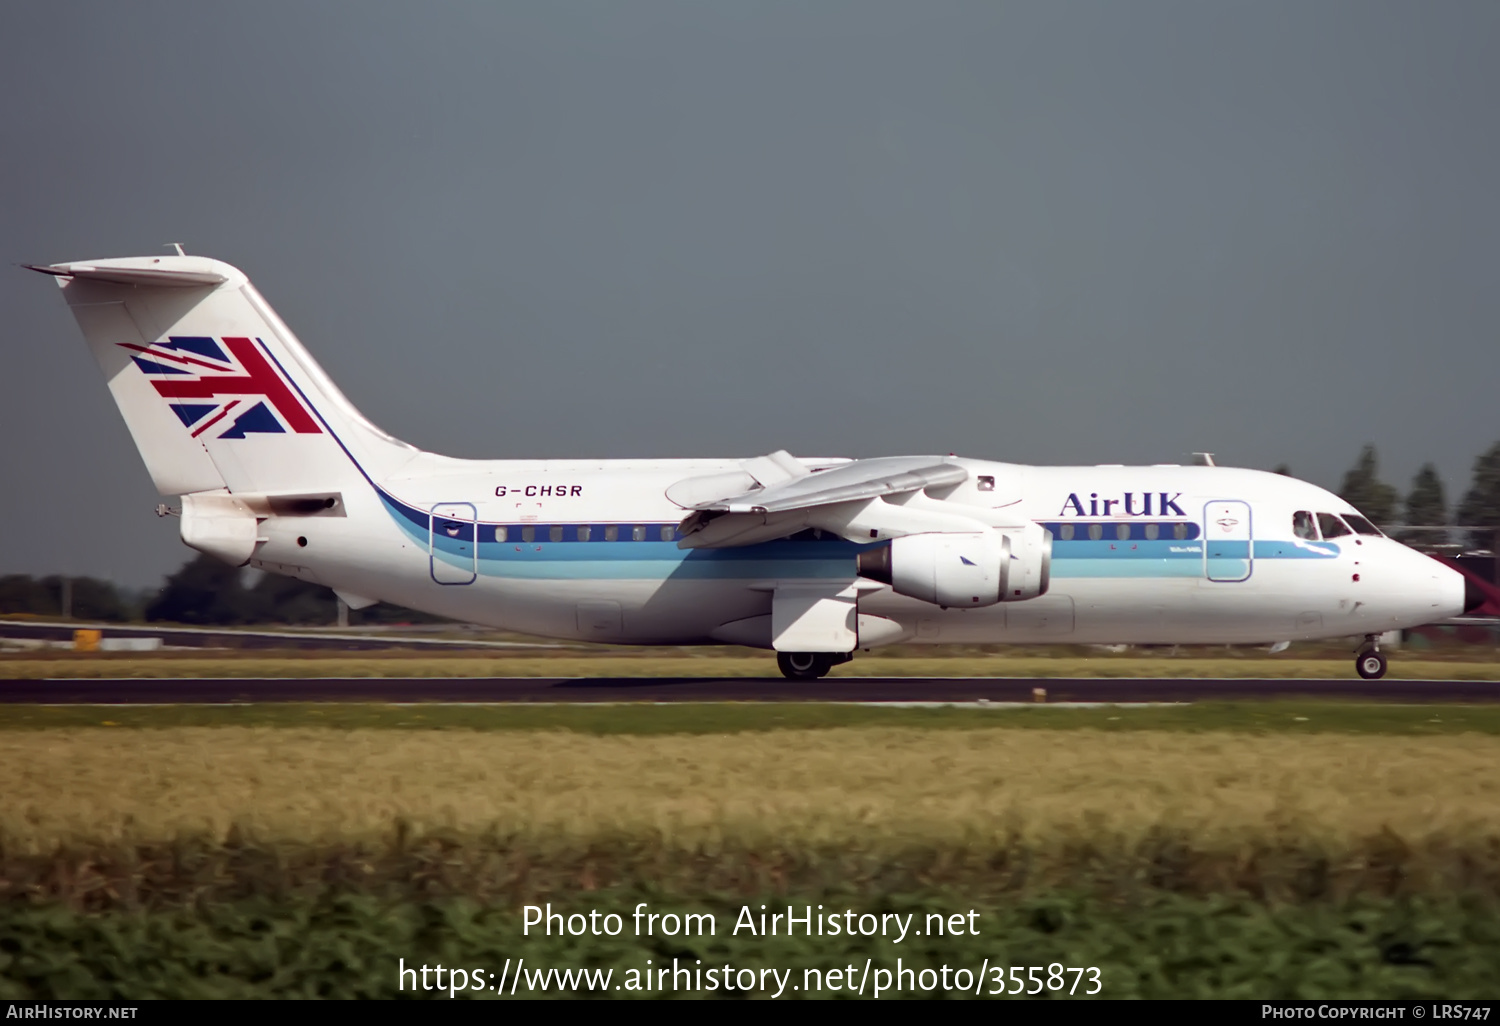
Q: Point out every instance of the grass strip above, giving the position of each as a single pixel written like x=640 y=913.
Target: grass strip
x=1285 y=716
x=877 y=789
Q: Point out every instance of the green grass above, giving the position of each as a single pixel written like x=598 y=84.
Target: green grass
x=1164 y=919
x=1278 y=716
x=1165 y=946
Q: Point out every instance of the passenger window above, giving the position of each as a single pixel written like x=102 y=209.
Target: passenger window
x=499 y=534
x=1122 y=532
x=1065 y=532
x=667 y=532
x=1361 y=525
x=612 y=533
x=528 y=534
x=554 y=533
x=1179 y=531
x=583 y=532
x=986 y=483
x=1303 y=526
x=1332 y=526
x=1096 y=531
x=1153 y=531
x=638 y=533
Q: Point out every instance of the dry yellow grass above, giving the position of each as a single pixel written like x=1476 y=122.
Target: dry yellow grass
x=865 y=788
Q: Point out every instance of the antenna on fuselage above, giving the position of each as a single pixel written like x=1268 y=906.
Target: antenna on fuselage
x=178 y=247
x=1204 y=459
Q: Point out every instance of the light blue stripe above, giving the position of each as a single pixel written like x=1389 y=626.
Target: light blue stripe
x=1067 y=569
x=827 y=559
x=1174 y=550
x=1228 y=550
x=662 y=569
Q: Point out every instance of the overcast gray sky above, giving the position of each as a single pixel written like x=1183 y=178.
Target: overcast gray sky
x=1049 y=232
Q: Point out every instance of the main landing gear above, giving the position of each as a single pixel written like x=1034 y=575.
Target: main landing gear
x=1369 y=663
x=809 y=665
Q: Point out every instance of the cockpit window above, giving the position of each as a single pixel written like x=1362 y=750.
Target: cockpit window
x=1303 y=526
x=1361 y=525
x=1332 y=526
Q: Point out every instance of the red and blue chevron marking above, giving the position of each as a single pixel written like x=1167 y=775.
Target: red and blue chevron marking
x=211 y=382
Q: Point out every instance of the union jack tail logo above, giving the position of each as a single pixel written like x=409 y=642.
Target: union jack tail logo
x=225 y=386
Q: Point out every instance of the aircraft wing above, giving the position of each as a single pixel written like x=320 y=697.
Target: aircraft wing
x=783 y=506
x=862 y=479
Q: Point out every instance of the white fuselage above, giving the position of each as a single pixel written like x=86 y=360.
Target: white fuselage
x=1140 y=555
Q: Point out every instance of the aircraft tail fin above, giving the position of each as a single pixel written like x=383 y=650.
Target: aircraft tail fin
x=217 y=392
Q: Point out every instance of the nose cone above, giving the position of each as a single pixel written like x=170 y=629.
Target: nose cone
x=1451 y=595
x=1466 y=593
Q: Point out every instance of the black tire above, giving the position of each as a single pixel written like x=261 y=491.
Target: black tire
x=803 y=665
x=1370 y=665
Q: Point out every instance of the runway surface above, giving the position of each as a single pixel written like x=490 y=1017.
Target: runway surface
x=644 y=689
x=370 y=640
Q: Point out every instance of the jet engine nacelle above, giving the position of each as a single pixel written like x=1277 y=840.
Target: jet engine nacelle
x=968 y=569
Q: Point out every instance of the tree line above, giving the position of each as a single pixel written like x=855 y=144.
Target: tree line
x=203 y=592
x=86 y=598
x=1425 y=503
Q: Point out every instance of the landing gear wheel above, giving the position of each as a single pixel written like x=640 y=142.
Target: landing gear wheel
x=1370 y=664
x=804 y=665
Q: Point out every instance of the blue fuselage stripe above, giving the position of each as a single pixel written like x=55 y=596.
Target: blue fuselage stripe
x=617 y=552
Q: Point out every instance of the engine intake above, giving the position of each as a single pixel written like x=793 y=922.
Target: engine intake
x=967 y=570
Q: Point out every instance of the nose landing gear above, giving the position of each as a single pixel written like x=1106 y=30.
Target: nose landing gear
x=809 y=665
x=1368 y=662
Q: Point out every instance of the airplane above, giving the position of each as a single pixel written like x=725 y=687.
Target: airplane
x=814 y=559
